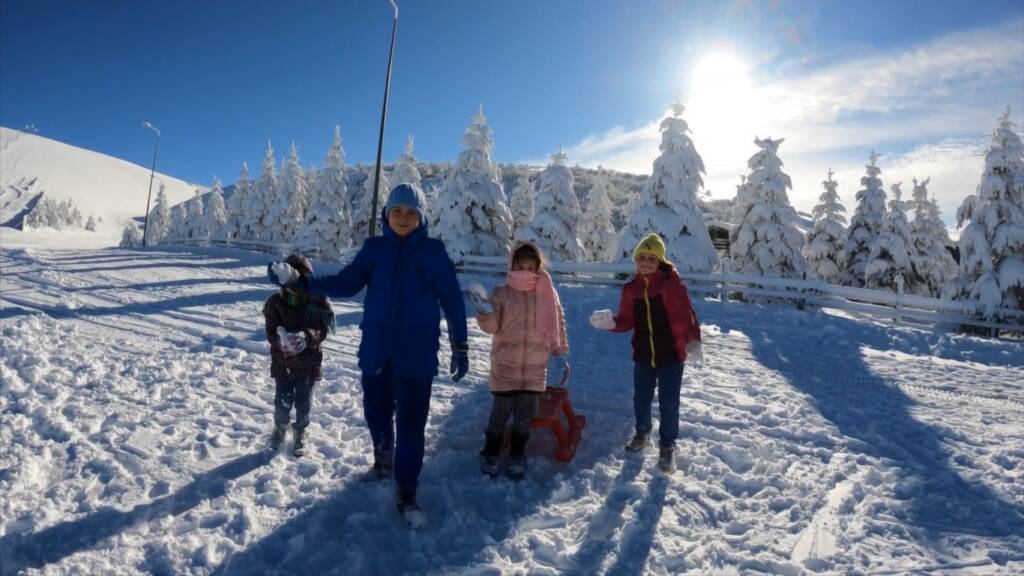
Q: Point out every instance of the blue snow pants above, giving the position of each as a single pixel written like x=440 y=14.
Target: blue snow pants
x=668 y=379
x=399 y=405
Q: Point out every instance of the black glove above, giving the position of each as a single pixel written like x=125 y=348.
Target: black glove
x=460 y=361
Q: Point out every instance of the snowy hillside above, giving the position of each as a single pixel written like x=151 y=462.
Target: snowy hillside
x=136 y=405
x=99 y=185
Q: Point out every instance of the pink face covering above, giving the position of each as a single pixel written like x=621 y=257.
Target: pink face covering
x=547 y=302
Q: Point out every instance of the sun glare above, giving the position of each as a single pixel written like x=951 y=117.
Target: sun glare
x=722 y=109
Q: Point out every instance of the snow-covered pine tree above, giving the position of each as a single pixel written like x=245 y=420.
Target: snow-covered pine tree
x=865 y=226
x=406 y=171
x=668 y=202
x=197 y=228
x=328 y=224
x=363 y=206
x=293 y=198
x=178 y=228
x=992 y=244
x=823 y=249
x=765 y=242
x=890 y=253
x=472 y=216
x=264 y=204
x=522 y=207
x=240 y=224
x=933 y=264
x=159 y=219
x=598 y=233
x=555 y=225
x=90 y=224
x=131 y=237
x=216 y=215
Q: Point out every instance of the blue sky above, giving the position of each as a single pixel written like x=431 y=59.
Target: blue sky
x=920 y=81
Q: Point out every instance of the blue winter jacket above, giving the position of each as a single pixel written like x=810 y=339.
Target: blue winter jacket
x=408 y=281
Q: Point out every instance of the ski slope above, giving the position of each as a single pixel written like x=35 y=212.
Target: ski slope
x=136 y=406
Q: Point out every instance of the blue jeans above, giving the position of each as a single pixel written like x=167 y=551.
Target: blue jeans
x=289 y=392
x=391 y=404
x=668 y=379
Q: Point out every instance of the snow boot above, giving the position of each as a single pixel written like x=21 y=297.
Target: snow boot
x=638 y=442
x=277 y=436
x=666 y=461
x=490 y=453
x=405 y=500
x=517 y=456
x=300 y=448
x=383 y=466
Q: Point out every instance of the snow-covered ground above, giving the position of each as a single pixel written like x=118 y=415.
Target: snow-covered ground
x=136 y=406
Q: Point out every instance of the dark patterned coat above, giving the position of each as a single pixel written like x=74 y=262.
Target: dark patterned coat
x=302 y=317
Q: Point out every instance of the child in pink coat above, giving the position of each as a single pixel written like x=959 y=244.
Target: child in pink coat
x=528 y=324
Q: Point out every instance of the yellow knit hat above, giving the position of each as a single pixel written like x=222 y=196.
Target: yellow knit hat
x=651 y=244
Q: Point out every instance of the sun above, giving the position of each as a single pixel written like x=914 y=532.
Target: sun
x=723 y=109
x=719 y=74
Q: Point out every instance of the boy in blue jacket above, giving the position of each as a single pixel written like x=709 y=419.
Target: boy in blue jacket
x=408 y=279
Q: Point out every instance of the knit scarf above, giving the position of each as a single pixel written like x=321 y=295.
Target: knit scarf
x=547 y=303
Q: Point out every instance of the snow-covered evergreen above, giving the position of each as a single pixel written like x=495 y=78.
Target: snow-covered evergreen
x=598 y=234
x=933 y=265
x=292 y=200
x=824 y=244
x=179 y=222
x=240 y=224
x=865 y=226
x=362 y=206
x=668 y=202
x=890 y=253
x=159 y=218
x=264 y=205
x=555 y=226
x=131 y=237
x=216 y=215
x=197 y=228
x=992 y=244
x=522 y=204
x=90 y=224
x=49 y=213
x=472 y=216
x=328 y=224
x=765 y=242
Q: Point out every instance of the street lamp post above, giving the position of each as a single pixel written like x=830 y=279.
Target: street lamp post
x=152 y=171
x=383 y=117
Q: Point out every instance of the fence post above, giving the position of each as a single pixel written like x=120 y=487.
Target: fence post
x=899 y=297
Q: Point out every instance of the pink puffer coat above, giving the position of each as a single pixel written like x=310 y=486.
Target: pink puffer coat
x=519 y=356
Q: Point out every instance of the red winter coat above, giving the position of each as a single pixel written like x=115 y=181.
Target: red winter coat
x=308 y=363
x=657 y=308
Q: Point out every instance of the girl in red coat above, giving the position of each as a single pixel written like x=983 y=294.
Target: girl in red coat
x=656 y=307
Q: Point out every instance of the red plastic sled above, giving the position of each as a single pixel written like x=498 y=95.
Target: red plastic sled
x=554 y=403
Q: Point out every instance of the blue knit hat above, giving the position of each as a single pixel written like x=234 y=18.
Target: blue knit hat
x=406 y=195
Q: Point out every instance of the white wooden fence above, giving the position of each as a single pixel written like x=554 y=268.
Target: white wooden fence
x=724 y=286
x=899 y=307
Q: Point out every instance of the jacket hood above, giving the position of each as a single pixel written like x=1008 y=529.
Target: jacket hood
x=519 y=244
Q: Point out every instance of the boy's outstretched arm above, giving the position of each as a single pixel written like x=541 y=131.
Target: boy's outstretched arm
x=347 y=282
x=450 y=297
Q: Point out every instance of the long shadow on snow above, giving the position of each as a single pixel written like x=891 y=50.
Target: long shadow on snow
x=142 y=308
x=358 y=530
x=51 y=545
x=874 y=415
x=145 y=286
